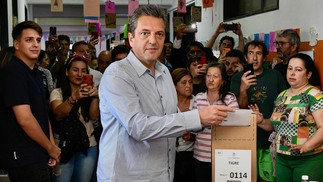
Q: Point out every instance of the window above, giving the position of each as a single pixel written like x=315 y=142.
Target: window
x=235 y=9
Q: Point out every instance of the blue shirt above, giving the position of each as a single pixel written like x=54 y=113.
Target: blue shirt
x=140 y=123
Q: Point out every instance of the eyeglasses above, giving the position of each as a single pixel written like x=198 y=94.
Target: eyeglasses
x=76 y=57
x=279 y=43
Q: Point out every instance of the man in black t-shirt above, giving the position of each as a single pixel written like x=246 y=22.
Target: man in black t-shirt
x=27 y=143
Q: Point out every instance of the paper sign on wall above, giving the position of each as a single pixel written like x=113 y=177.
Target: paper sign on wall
x=181 y=6
x=207 y=3
x=56 y=6
x=110 y=7
x=132 y=6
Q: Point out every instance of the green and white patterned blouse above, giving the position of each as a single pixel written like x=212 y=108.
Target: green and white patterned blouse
x=293 y=121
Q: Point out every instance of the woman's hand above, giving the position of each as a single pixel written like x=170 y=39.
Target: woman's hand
x=93 y=92
x=84 y=91
x=259 y=115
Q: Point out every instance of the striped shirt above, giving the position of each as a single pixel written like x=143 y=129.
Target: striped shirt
x=202 y=146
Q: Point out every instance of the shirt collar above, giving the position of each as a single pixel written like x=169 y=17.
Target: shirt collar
x=142 y=69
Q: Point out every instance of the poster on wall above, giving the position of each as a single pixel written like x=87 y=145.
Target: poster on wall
x=132 y=6
x=91 y=11
x=196 y=13
x=110 y=15
x=181 y=6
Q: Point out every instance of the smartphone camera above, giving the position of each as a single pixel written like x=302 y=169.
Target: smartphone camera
x=231 y=27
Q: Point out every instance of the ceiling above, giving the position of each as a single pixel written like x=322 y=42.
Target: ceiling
x=71 y=22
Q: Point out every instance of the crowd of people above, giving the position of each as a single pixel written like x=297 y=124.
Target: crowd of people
x=144 y=111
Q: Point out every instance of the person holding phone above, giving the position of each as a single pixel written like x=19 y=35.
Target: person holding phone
x=260 y=88
x=226 y=42
x=197 y=70
x=76 y=98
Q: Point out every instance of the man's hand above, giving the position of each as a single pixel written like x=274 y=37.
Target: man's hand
x=220 y=28
x=237 y=67
x=214 y=115
x=180 y=31
x=238 y=31
x=93 y=41
x=201 y=69
x=247 y=81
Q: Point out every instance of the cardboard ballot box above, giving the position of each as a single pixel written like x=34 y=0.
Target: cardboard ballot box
x=234 y=148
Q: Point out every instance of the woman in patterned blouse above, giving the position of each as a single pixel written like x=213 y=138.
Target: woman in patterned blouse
x=297 y=121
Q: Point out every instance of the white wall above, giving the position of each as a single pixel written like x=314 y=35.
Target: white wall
x=291 y=14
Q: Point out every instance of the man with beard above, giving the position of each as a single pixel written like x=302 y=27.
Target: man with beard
x=52 y=52
x=60 y=58
x=234 y=62
x=260 y=88
x=287 y=44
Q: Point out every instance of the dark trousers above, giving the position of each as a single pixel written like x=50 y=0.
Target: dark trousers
x=184 y=167
x=36 y=173
x=203 y=171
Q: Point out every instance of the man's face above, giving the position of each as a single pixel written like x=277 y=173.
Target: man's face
x=232 y=65
x=104 y=61
x=147 y=42
x=284 y=48
x=64 y=47
x=195 y=51
x=225 y=44
x=255 y=57
x=168 y=49
x=83 y=50
x=28 y=45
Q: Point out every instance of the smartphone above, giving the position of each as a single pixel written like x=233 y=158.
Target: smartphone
x=232 y=27
x=225 y=51
x=95 y=34
x=52 y=31
x=191 y=29
x=202 y=60
x=247 y=67
x=88 y=79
